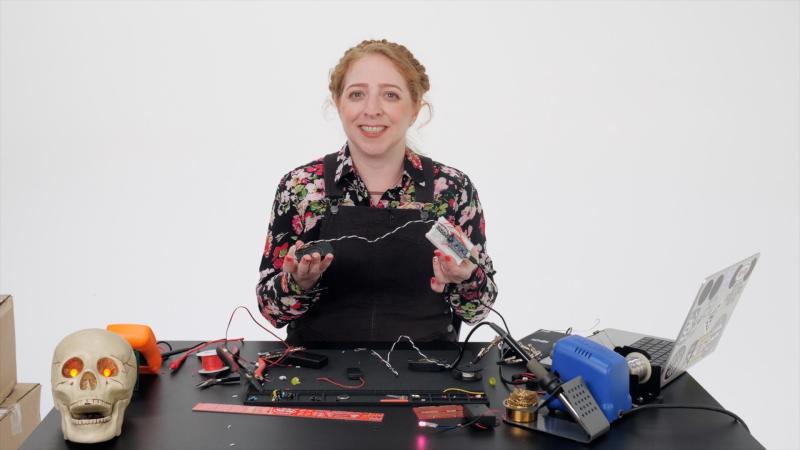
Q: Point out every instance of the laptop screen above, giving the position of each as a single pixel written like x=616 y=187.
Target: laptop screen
x=710 y=312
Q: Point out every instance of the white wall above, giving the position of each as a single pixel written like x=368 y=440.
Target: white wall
x=622 y=151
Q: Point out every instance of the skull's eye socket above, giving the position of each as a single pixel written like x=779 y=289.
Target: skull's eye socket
x=72 y=368
x=107 y=367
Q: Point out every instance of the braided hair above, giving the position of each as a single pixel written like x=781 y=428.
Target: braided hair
x=403 y=59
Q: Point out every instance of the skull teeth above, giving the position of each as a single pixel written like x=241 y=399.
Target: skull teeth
x=90 y=411
x=86 y=402
x=90 y=421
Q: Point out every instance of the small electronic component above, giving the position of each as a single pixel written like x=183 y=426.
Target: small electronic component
x=354 y=373
x=449 y=240
x=479 y=416
x=305 y=359
x=324 y=248
x=464 y=375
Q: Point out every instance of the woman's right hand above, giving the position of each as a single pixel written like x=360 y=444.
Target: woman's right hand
x=309 y=269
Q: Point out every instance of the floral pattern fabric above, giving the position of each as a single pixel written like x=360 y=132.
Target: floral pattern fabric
x=300 y=205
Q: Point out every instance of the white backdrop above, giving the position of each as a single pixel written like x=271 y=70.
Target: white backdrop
x=622 y=152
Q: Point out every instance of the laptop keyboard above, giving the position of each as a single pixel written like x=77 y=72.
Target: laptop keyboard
x=659 y=349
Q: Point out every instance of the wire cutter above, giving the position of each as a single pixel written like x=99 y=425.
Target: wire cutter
x=231 y=379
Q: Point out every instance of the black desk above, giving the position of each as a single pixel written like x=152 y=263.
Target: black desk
x=161 y=417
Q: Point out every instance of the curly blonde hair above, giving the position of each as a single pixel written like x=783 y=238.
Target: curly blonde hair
x=403 y=59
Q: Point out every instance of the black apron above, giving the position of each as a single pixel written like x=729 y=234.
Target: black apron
x=375 y=292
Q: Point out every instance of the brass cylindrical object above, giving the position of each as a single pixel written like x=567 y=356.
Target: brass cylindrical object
x=520 y=406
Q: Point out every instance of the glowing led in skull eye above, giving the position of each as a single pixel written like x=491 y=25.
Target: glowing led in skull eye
x=72 y=368
x=107 y=367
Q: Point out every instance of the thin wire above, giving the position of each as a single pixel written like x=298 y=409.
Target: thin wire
x=227 y=328
x=461 y=425
x=344 y=386
x=377 y=355
x=256 y=322
x=391 y=349
x=371 y=241
x=464 y=390
x=594 y=325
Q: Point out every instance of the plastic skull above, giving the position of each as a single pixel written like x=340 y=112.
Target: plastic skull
x=93 y=375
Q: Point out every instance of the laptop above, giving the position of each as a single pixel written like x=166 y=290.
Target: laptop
x=702 y=329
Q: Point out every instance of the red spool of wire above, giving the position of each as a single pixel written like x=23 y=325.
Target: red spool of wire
x=211 y=363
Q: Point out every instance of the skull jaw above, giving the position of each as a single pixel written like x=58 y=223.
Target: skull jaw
x=96 y=432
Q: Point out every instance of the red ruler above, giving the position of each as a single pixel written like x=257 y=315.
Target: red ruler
x=289 y=412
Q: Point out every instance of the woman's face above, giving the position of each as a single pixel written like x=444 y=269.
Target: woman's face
x=375 y=107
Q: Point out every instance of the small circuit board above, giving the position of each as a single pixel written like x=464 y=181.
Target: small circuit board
x=450 y=240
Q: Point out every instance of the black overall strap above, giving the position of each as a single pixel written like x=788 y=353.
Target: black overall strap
x=330 y=163
x=425 y=190
x=380 y=290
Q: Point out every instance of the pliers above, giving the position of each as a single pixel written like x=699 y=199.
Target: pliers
x=231 y=379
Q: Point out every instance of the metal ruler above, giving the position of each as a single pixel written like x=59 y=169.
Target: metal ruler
x=289 y=412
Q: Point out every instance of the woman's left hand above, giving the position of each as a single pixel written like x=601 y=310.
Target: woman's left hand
x=445 y=270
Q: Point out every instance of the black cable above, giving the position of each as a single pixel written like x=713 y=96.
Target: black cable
x=165 y=343
x=180 y=350
x=502 y=378
x=506 y=381
x=454 y=364
x=461 y=425
x=709 y=408
x=501 y=318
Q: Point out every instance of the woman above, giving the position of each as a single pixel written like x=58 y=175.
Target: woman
x=397 y=285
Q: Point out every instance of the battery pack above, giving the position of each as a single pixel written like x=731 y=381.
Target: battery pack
x=305 y=359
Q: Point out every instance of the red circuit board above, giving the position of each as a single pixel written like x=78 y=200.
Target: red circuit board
x=289 y=412
x=439 y=412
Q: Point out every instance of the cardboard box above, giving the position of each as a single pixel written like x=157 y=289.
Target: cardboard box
x=8 y=351
x=19 y=415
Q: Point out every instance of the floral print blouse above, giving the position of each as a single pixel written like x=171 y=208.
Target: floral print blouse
x=300 y=204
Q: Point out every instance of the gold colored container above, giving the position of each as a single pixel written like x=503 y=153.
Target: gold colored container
x=520 y=406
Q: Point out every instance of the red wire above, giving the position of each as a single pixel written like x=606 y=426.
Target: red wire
x=344 y=386
x=277 y=362
x=256 y=322
x=176 y=364
x=288 y=350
